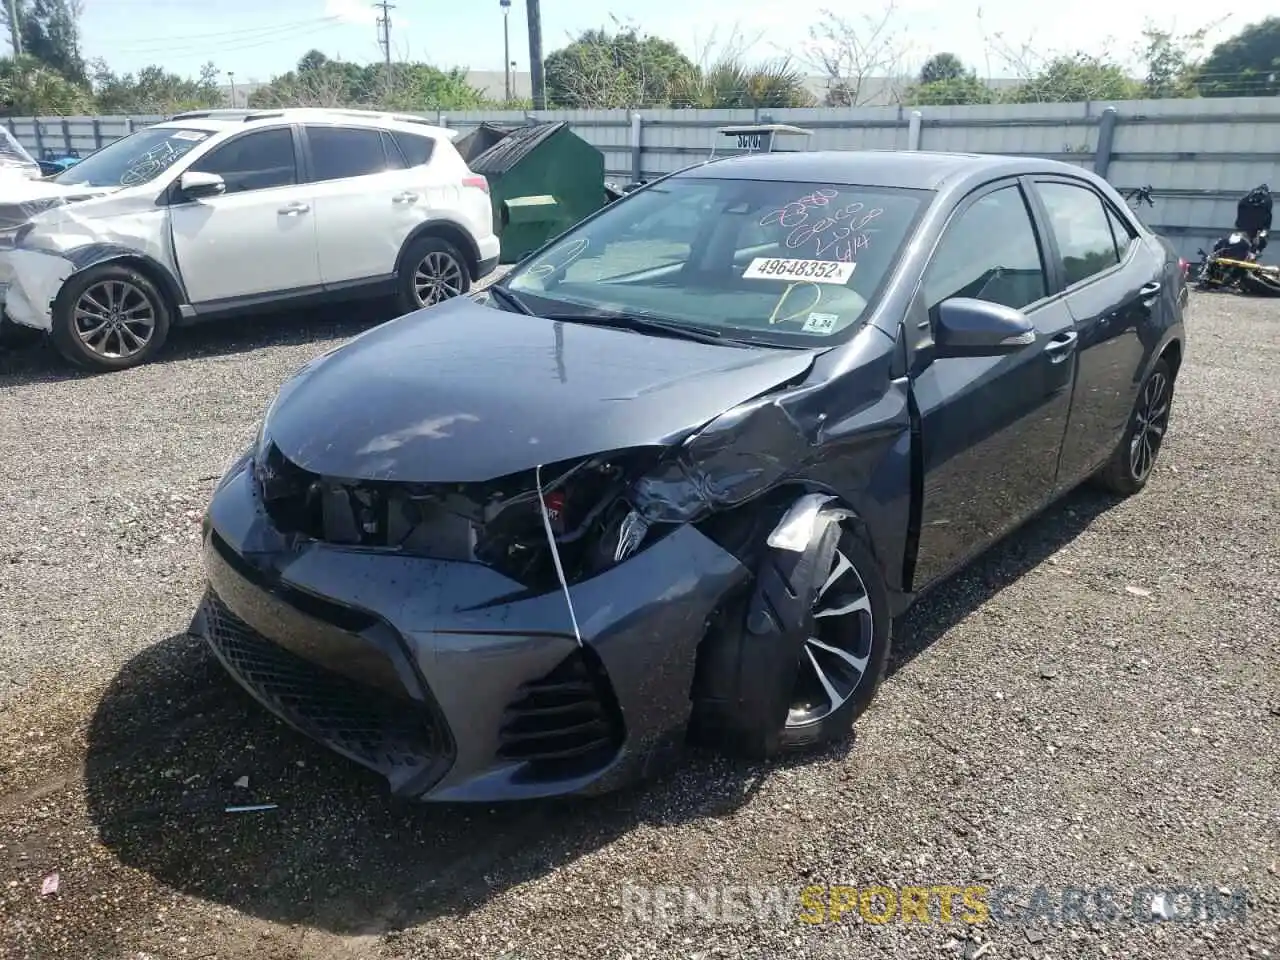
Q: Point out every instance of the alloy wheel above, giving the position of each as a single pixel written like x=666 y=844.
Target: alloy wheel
x=438 y=277
x=833 y=661
x=1151 y=419
x=115 y=319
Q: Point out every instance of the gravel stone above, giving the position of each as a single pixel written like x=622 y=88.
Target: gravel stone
x=1151 y=760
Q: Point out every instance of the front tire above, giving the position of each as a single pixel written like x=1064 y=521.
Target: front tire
x=1130 y=466
x=110 y=317
x=432 y=271
x=746 y=705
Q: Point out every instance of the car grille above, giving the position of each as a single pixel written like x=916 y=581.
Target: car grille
x=567 y=722
x=362 y=723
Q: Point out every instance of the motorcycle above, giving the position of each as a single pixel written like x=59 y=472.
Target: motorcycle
x=1233 y=263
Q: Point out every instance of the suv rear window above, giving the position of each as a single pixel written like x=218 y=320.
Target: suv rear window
x=417 y=150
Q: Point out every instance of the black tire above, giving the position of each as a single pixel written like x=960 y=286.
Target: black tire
x=1129 y=468
x=118 y=349
x=431 y=254
x=745 y=698
x=1259 y=285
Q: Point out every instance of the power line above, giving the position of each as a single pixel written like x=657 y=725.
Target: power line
x=226 y=47
x=227 y=37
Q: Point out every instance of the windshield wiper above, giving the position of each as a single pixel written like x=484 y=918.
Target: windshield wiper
x=509 y=298
x=641 y=324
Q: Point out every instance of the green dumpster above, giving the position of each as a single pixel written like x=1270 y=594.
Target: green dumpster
x=543 y=178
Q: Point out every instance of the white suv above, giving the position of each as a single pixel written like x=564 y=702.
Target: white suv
x=224 y=211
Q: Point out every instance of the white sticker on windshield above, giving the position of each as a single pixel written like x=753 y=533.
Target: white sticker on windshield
x=811 y=271
x=821 y=323
x=196 y=135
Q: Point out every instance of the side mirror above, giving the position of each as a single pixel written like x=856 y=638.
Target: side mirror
x=195 y=186
x=977 y=328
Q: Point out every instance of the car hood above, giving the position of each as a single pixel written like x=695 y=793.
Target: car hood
x=464 y=392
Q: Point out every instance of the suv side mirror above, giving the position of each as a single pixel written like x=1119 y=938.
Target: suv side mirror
x=978 y=328
x=195 y=185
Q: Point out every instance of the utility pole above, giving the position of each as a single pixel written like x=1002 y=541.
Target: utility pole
x=506 y=43
x=535 y=54
x=15 y=30
x=231 y=75
x=384 y=34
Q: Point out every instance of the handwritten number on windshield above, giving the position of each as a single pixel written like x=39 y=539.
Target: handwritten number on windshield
x=840 y=233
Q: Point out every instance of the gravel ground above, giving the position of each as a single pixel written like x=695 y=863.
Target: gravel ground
x=1096 y=703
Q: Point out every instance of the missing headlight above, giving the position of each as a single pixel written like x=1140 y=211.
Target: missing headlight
x=497 y=523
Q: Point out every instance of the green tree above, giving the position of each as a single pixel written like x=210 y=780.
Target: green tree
x=29 y=88
x=945 y=81
x=731 y=84
x=1074 y=78
x=941 y=68
x=321 y=82
x=964 y=90
x=154 y=90
x=1247 y=64
x=1171 y=61
x=50 y=31
x=620 y=70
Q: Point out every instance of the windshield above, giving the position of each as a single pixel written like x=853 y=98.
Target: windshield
x=788 y=263
x=133 y=160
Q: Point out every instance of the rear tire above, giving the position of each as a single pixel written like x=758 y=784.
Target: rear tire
x=110 y=317
x=748 y=703
x=431 y=271
x=1134 y=458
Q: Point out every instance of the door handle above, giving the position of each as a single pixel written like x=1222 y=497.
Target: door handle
x=1061 y=346
x=406 y=197
x=1149 y=290
x=293 y=209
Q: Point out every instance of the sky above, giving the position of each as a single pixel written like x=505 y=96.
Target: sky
x=257 y=40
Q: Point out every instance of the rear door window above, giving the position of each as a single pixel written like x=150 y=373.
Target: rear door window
x=338 y=153
x=1079 y=221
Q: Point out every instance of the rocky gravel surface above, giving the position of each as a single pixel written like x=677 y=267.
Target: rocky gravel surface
x=1094 y=705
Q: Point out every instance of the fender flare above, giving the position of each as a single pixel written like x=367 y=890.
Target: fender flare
x=447 y=229
x=95 y=254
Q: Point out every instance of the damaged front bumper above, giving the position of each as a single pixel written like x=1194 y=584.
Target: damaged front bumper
x=29 y=283
x=453 y=681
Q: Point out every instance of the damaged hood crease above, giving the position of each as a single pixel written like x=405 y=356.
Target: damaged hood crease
x=465 y=393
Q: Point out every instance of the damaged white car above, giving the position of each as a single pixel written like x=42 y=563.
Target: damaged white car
x=220 y=212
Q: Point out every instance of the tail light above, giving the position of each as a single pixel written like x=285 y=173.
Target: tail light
x=480 y=183
x=1184 y=266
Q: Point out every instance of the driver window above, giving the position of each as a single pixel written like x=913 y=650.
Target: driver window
x=989 y=252
x=256 y=161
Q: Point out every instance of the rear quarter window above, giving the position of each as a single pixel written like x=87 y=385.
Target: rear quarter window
x=416 y=148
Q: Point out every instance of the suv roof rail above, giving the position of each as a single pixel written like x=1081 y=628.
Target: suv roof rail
x=412 y=118
x=263 y=115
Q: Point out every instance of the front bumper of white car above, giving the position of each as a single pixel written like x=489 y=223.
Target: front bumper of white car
x=29 y=281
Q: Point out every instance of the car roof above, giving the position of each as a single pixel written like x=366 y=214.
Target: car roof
x=909 y=169
x=216 y=121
